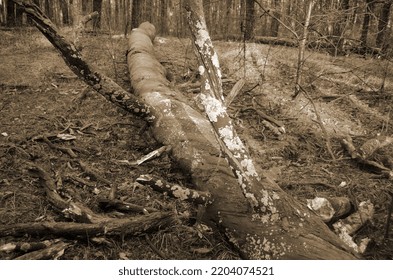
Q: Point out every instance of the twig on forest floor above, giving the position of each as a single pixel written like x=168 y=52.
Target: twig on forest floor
x=320 y=123
x=68 y=151
x=389 y=216
x=93 y=173
x=154 y=248
x=124 y=206
x=152 y=155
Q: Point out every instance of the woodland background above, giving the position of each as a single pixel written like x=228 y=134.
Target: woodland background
x=339 y=24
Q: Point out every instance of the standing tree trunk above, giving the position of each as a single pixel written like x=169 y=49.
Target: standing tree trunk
x=383 y=24
x=97 y=6
x=275 y=25
x=249 y=23
x=340 y=25
x=137 y=6
x=13 y=14
x=64 y=11
x=366 y=22
x=164 y=17
x=302 y=47
x=227 y=22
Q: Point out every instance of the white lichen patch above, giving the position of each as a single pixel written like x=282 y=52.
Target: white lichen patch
x=201 y=70
x=207 y=86
x=249 y=167
x=216 y=64
x=275 y=196
x=213 y=107
x=251 y=198
x=262 y=218
x=197 y=159
x=265 y=199
x=264 y=249
x=202 y=35
x=233 y=143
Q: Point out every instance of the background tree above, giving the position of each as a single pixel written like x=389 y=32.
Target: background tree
x=332 y=25
x=97 y=6
x=384 y=25
x=366 y=22
x=249 y=20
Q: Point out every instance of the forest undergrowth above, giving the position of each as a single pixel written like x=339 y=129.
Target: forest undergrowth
x=43 y=106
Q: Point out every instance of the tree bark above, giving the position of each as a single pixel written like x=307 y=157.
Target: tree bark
x=383 y=25
x=340 y=25
x=366 y=22
x=136 y=13
x=302 y=47
x=249 y=20
x=97 y=6
x=64 y=11
x=275 y=25
x=13 y=14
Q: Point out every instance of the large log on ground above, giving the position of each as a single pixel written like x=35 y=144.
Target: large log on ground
x=287 y=231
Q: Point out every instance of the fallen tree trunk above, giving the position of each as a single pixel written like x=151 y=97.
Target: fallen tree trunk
x=282 y=229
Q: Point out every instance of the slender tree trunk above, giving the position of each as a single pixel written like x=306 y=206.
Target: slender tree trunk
x=275 y=25
x=249 y=20
x=340 y=25
x=13 y=14
x=64 y=11
x=366 y=22
x=383 y=24
x=137 y=7
x=164 y=17
x=302 y=47
x=97 y=6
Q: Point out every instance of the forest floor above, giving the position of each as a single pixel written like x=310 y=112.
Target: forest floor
x=41 y=100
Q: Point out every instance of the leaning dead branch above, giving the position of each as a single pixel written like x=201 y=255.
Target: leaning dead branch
x=73 y=58
x=320 y=122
